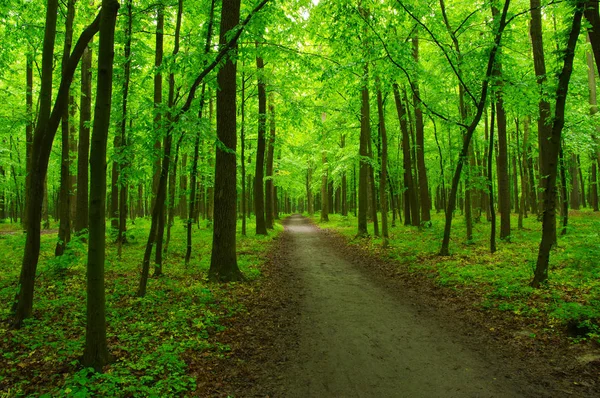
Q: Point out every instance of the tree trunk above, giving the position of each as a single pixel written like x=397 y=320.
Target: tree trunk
x=383 y=179
x=551 y=166
x=575 y=191
x=194 y=205
x=259 y=192
x=123 y=193
x=64 y=229
x=365 y=137
x=324 y=190
x=158 y=59
x=411 y=208
x=161 y=196
x=95 y=354
x=564 y=198
x=424 y=199
x=42 y=145
x=444 y=251
x=83 y=150
x=114 y=186
x=223 y=265
x=544 y=118
x=243 y=154
x=490 y=181
x=269 y=191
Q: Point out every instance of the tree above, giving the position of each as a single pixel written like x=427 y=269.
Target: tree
x=43 y=136
x=64 y=229
x=553 y=146
x=223 y=262
x=259 y=192
x=83 y=152
x=96 y=354
x=384 y=160
x=269 y=186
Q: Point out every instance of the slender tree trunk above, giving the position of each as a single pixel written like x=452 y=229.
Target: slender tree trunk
x=365 y=137
x=344 y=193
x=122 y=234
x=411 y=208
x=269 y=187
x=522 y=208
x=324 y=193
x=42 y=145
x=259 y=199
x=581 y=182
x=243 y=155
x=490 y=182
x=564 y=198
x=309 y=195
x=194 y=205
x=95 y=354
x=544 y=118
x=575 y=191
x=223 y=265
x=158 y=83
x=114 y=186
x=548 y=216
x=64 y=229
x=161 y=195
x=424 y=199
x=28 y=130
x=383 y=179
x=444 y=251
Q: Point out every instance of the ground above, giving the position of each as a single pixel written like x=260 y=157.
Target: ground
x=321 y=315
x=335 y=320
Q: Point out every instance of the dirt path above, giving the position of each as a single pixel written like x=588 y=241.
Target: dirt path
x=357 y=339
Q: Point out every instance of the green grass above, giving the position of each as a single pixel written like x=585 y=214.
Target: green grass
x=571 y=296
x=150 y=337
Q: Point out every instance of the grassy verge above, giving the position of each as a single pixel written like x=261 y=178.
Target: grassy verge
x=569 y=302
x=152 y=338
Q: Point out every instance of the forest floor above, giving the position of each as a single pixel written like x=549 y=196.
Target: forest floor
x=321 y=315
x=340 y=321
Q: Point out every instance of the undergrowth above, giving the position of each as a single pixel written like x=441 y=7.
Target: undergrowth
x=569 y=301
x=152 y=339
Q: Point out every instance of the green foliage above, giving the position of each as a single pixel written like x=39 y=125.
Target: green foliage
x=152 y=338
x=501 y=281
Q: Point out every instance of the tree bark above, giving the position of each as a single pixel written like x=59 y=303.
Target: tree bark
x=83 y=150
x=365 y=137
x=544 y=115
x=28 y=129
x=444 y=251
x=194 y=205
x=424 y=198
x=259 y=199
x=123 y=166
x=551 y=166
x=95 y=354
x=490 y=182
x=411 y=208
x=42 y=145
x=158 y=59
x=64 y=228
x=223 y=265
x=269 y=187
x=324 y=191
x=383 y=179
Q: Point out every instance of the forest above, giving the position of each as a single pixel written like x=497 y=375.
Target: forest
x=194 y=195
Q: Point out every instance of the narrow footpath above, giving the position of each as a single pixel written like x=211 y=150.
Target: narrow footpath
x=358 y=339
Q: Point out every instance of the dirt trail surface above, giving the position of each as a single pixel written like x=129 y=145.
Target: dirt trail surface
x=358 y=340
x=331 y=320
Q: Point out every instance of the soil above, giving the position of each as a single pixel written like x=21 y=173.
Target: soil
x=331 y=320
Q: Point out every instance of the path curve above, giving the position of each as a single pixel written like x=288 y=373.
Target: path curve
x=357 y=339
